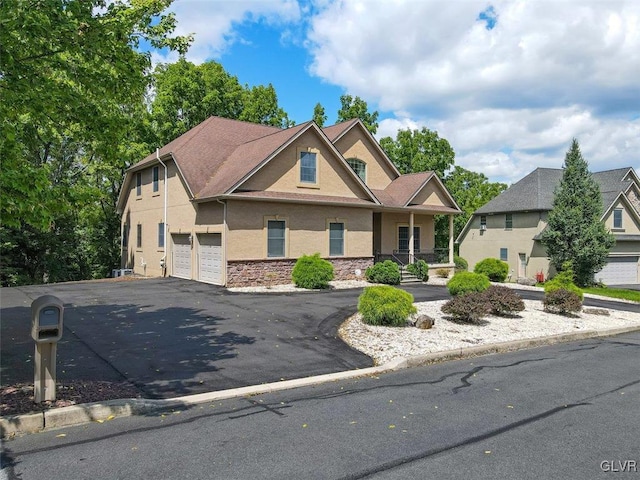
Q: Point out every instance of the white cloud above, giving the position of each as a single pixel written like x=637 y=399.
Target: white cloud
x=214 y=21
x=508 y=98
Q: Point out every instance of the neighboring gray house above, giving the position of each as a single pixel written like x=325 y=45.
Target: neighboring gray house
x=509 y=226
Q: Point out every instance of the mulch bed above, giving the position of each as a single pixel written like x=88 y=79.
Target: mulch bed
x=18 y=399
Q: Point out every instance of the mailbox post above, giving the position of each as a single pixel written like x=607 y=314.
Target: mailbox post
x=46 y=330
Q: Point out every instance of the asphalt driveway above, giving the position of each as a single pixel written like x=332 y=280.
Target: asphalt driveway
x=173 y=337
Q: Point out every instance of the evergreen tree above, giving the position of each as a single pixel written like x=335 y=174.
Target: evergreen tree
x=575 y=235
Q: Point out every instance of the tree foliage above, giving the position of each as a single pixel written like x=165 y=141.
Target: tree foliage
x=72 y=84
x=318 y=115
x=575 y=234
x=187 y=94
x=357 y=108
x=419 y=151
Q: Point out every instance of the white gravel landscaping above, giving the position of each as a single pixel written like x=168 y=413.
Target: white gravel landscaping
x=389 y=343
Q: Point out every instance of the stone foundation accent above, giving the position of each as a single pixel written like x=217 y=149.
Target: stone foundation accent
x=262 y=273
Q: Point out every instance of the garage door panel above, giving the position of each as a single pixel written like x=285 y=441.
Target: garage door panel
x=210 y=258
x=619 y=270
x=181 y=256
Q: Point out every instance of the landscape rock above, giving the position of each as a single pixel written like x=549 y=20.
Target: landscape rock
x=424 y=322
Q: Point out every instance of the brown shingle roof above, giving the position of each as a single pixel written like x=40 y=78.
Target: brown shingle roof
x=202 y=150
x=405 y=187
x=334 y=131
x=245 y=158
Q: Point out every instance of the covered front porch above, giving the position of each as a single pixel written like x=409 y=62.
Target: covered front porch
x=406 y=237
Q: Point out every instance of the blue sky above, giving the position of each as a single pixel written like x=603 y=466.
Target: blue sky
x=507 y=83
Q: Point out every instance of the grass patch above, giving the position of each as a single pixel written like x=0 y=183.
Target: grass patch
x=621 y=293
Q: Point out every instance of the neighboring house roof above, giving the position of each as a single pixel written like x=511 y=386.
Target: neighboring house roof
x=535 y=192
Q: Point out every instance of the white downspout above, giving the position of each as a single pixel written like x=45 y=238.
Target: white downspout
x=163 y=260
x=224 y=239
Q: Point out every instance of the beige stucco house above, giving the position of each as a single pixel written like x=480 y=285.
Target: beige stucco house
x=509 y=226
x=234 y=203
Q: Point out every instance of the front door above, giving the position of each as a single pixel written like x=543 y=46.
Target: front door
x=403 y=239
x=522 y=265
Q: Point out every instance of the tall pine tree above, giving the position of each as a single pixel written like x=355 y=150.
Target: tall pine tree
x=575 y=232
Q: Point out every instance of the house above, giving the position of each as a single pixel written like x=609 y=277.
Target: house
x=235 y=203
x=509 y=226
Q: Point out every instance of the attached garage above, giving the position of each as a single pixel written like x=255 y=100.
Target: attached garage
x=210 y=258
x=619 y=270
x=181 y=256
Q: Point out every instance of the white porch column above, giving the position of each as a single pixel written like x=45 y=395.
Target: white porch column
x=411 y=252
x=450 y=238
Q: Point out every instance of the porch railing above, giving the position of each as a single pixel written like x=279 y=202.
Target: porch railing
x=401 y=257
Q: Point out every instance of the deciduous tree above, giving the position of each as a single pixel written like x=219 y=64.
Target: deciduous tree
x=357 y=108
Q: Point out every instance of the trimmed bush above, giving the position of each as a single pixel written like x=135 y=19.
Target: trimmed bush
x=469 y=307
x=503 y=300
x=386 y=272
x=311 y=271
x=495 y=269
x=384 y=305
x=564 y=281
x=465 y=282
x=562 y=301
x=461 y=264
x=420 y=269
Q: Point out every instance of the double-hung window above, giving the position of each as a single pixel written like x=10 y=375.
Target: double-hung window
x=125 y=236
x=617 y=218
x=508 y=221
x=504 y=254
x=276 y=230
x=139 y=236
x=308 y=167
x=336 y=239
x=139 y=183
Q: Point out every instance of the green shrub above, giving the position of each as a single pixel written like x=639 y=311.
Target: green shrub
x=503 y=300
x=495 y=269
x=562 y=301
x=386 y=272
x=468 y=307
x=563 y=280
x=384 y=305
x=420 y=269
x=311 y=271
x=464 y=282
x=461 y=264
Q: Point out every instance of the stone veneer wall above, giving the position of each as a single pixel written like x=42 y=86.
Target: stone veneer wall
x=634 y=199
x=255 y=273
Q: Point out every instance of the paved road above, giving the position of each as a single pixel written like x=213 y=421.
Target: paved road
x=174 y=337
x=560 y=412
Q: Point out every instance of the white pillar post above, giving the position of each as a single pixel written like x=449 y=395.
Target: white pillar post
x=411 y=252
x=450 y=238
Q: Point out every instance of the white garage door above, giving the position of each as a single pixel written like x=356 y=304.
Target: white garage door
x=181 y=256
x=210 y=258
x=619 y=270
